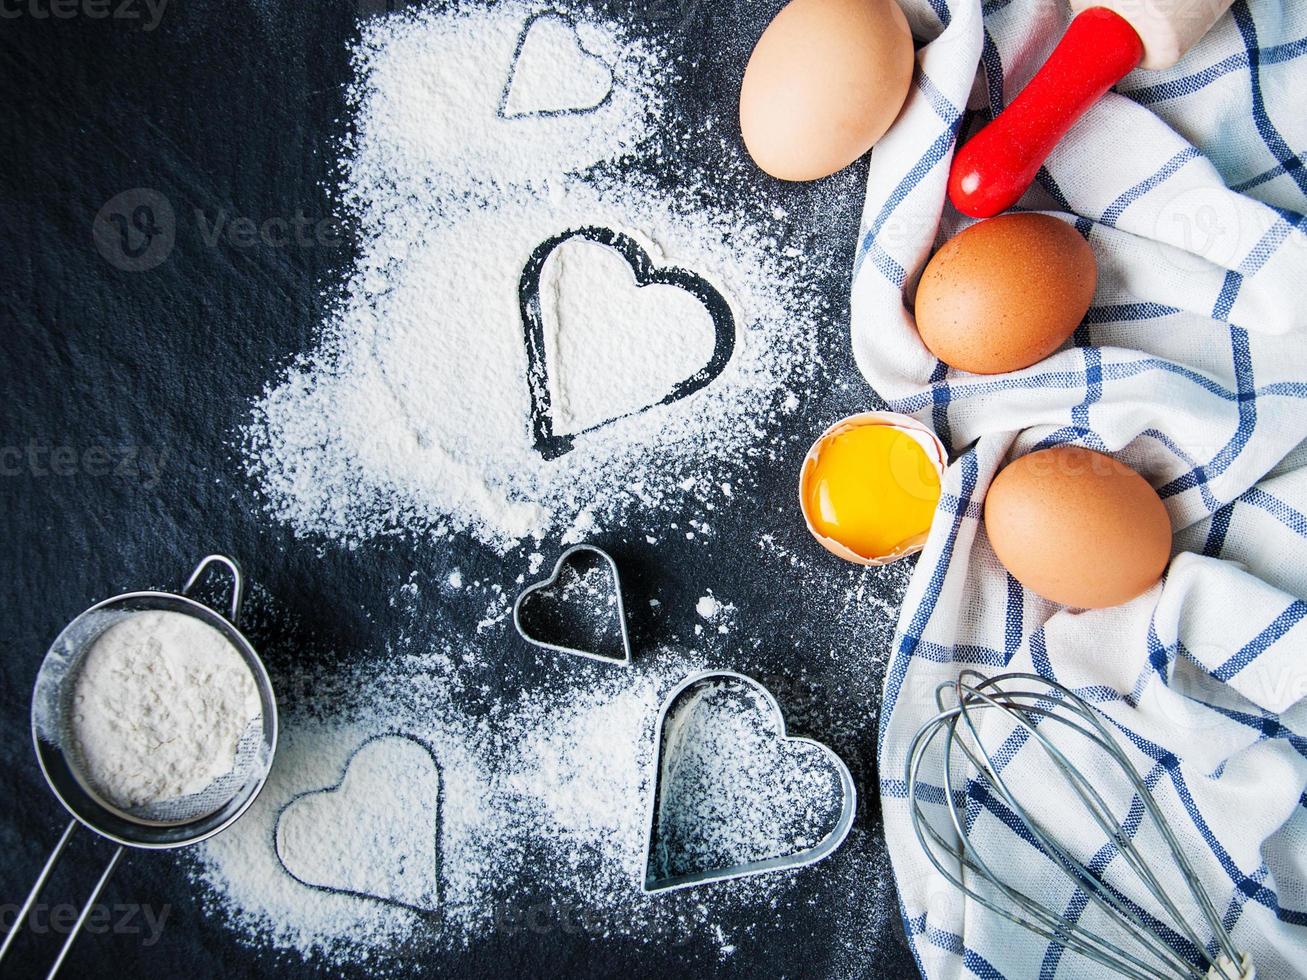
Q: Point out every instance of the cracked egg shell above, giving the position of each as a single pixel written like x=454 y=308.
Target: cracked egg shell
x=869 y=486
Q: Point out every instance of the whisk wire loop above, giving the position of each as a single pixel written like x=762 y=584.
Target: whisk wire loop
x=1048 y=925
x=1166 y=943
x=1098 y=808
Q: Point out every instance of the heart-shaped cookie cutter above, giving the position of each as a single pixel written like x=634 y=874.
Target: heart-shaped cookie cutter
x=563 y=560
x=652 y=883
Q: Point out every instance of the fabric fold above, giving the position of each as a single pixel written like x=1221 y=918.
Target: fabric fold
x=1191 y=367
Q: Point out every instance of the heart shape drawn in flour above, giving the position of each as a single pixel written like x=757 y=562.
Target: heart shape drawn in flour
x=553 y=74
x=683 y=365
x=732 y=793
x=584 y=592
x=375 y=834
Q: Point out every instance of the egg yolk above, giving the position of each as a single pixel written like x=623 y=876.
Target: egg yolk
x=872 y=488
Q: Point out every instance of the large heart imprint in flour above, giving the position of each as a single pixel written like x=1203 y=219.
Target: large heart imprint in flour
x=609 y=334
x=375 y=834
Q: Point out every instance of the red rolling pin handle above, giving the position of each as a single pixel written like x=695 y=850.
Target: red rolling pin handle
x=994 y=168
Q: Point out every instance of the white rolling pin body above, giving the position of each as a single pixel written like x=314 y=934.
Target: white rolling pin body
x=1168 y=28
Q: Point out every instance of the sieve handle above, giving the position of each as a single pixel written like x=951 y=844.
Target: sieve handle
x=237 y=582
x=39 y=885
x=35 y=893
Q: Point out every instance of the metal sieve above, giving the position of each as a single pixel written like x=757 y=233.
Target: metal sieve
x=176 y=823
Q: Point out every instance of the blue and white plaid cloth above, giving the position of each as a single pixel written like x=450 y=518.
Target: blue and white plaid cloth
x=1192 y=367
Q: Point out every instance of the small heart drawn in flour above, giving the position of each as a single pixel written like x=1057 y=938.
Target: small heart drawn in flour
x=735 y=795
x=609 y=334
x=552 y=72
x=375 y=833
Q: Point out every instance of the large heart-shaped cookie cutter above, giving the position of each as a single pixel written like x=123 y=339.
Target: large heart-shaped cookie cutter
x=563 y=561
x=653 y=882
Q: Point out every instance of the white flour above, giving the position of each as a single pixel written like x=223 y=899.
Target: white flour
x=554 y=72
x=159 y=707
x=543 y=797
x=473 y=144
x=376 y=833
x=414 y=413
x=618 y=347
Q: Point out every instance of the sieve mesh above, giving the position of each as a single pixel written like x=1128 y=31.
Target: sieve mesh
x=251 y=754
x=62 y=672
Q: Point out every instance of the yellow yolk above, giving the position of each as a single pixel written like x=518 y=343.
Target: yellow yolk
x=872 y=488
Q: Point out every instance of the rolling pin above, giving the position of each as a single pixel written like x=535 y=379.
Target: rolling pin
x=1106 y=40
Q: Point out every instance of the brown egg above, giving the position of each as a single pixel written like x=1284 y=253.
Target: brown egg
x=823 y=84
x=1078 y=527
x=1005 y=293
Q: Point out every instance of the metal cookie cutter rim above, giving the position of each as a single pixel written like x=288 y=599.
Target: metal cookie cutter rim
x=785 y=862
x=552 y=579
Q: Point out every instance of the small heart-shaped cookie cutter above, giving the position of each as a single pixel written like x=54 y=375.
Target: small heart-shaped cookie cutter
x=563 y=560
x=652 y=882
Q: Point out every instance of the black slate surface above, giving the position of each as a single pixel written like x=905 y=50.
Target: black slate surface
x=124 y=387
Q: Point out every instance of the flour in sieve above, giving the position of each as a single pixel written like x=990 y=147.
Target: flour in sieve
x=159 y=707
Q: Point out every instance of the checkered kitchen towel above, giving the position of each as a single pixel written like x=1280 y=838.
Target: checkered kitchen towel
x=1192 y=367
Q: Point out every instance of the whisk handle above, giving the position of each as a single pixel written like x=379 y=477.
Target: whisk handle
x=1225 y=969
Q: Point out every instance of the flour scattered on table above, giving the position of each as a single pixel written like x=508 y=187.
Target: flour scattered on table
x=414 y=414
x=554 y=72
x=542 y=799
x=374 y=834
x=614 y=347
